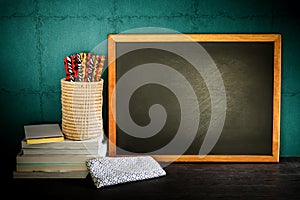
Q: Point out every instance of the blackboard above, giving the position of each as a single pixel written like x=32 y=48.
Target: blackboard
x=195 y=97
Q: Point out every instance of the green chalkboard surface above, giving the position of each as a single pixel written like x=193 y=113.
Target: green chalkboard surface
x=209 y=98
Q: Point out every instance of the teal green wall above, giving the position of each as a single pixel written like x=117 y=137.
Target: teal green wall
x=37 y=34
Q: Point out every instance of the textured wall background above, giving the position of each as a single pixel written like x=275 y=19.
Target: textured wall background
x=37 y=34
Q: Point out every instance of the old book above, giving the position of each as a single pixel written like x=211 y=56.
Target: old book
x=40 y=174
x=20 y=158
x=50 y=167
x=43 y=133
x=93 y=143
x=44 y=151
x=100 y=149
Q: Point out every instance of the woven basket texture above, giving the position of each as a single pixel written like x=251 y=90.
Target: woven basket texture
x=82 y=109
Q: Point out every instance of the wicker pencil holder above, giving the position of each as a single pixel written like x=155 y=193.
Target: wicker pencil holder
x=81 y=109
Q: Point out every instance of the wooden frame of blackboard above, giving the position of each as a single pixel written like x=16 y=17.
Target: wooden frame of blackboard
x=114 y=39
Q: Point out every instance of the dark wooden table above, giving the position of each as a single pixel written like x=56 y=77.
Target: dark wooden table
x=183 y=181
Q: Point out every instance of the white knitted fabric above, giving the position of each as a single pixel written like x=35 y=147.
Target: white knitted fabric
x=107 y=171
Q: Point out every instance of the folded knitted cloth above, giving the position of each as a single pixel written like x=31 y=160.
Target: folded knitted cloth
x=108 y=171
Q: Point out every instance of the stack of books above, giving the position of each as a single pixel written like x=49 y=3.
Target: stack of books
x=43 y=158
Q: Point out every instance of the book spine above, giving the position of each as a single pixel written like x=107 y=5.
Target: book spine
x=60 y=152
x=52 y=159
x=69 y=174
x=44 y=140
x=49 y=168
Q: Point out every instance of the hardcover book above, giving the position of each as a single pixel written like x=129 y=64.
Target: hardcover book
x=52 y=175
x=94 y=143
x=43 y=133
